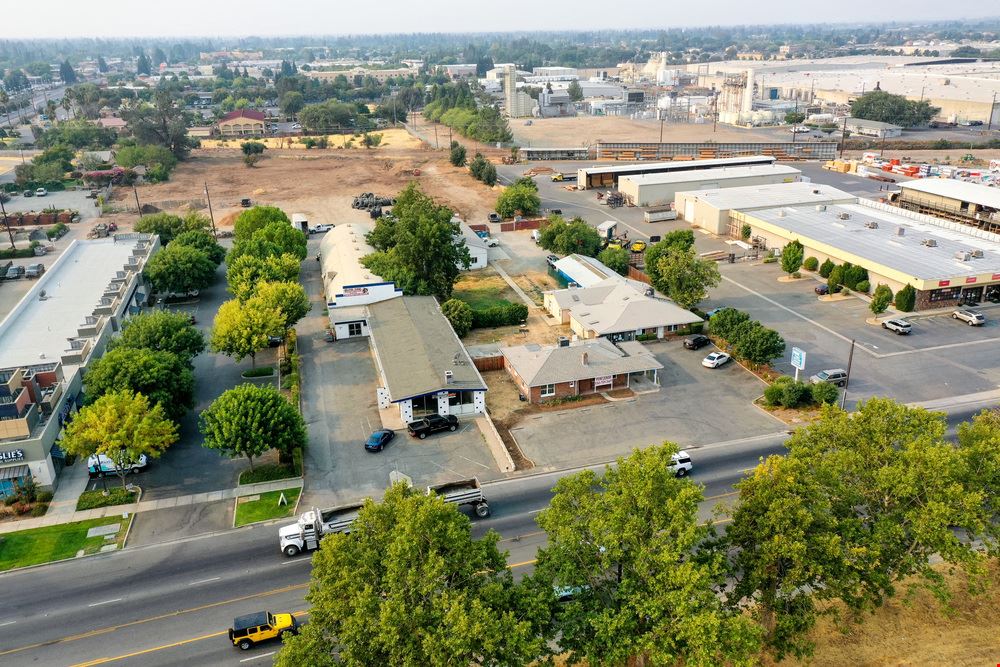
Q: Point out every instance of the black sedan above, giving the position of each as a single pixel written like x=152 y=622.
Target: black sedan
x=823 y=290
x=377 y=441
x=696 y=342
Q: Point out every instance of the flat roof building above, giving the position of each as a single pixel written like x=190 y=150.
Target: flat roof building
x=607 y=176
x=968 y=203
x=660 y=189
x=946 y=262
x=710 y=209
x=873 y=128
x=584 y=271
x=422 y=365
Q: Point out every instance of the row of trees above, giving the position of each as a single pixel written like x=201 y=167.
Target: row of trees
x=747 y=339
x=455 y=105
x=847 y=519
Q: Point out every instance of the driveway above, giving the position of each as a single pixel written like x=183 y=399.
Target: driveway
x=695 y=406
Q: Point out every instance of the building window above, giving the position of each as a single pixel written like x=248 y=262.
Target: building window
x=354 y=329
x=547 y=390
x=947 y=294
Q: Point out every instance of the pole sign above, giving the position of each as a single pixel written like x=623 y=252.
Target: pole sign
x=798 y=359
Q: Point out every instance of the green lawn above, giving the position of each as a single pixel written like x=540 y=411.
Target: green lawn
x=44 y=545
x=266 y=507
x=268 y=472
x=89 y=500
x=482 y=292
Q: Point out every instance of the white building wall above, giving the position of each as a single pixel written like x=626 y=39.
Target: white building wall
x=443 y=407
x=658 y=194
x=360 y=295
x=406 y=411
x=341 y=330
x=479 y=257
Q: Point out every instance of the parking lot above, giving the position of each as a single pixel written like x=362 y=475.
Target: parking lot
x=695 y=406
x=65 y=199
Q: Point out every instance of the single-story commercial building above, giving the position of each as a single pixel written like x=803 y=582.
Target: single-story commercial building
x=608 y=176
x=660 y=189
x=710 y=209
x=946 y=262
x=347 y=284
x=549 y=372
x=968 y=203
x=422 y=366
x=476 y=245
x=582 y=270
x=50 y=337
x=873 y=128
x=617 y=309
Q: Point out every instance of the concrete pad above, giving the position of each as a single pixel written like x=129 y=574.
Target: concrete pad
x=98 y=531
x=174 y=523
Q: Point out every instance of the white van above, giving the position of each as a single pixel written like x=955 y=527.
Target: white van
x=99 y=465
x=536 y=236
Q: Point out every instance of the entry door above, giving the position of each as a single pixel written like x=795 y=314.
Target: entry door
x=689 y=210
x=973 y=294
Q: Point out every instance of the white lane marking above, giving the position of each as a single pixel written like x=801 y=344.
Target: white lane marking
x=258 y=657
x=204 y=581
x=297 y=560
x=7 y=623
x=97 y=604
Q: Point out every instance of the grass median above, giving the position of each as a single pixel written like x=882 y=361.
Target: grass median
x=50 y=543
x=266 y=506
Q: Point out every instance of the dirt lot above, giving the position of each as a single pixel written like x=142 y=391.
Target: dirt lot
x=317 y=183
x=951 y=156
x=587 y=130
x=391 y=139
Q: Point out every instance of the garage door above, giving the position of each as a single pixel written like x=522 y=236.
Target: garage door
x=689 y=210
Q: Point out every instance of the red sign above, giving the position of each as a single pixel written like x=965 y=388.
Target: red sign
x=996 y=276
x=970 y=280
x=944 y=283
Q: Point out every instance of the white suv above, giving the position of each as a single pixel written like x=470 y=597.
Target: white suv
x=899 y=327
x=970 y=317
x=682 y=463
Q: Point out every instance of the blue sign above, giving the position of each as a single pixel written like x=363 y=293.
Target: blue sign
x=798 y=358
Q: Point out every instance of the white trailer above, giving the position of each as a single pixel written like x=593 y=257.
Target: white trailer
x=607 y=229
x=659 y=214
x=300 y=222
x=306 y=533
x=463 y=492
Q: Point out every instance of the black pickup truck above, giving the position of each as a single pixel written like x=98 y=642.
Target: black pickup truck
x=432 y=424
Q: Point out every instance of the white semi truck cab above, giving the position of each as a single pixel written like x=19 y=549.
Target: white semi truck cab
x=306 y=533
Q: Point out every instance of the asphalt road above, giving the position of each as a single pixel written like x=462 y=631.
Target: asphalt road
x=171 y=603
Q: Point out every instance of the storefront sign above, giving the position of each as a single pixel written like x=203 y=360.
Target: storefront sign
x=12 y=455
x=944 y=283
x=996 y=276
x=355 y=291
x=604 y=380
x=970 y=280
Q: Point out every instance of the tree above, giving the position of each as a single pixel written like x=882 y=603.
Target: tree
x=164 y=225
x=142 y=65
x=794 y=117
x=575 y=91
x=249 y=420
x=518 y=199
x=102 y=65
x=825 y=268
x=284 y=237
x=163 y=122
x=246 y=272
x=459 y=314
x=906 y=299
x=679 y=239
x=444 y=597
x=257 y=217
x=483 y=170
x=162 y=331
x=727 y=322
x=616 y=259
x=835 y=279
x=880 y=299
x=252 y=148
x=243 y=329
x=979 y=447
x=147 y=155
x=291 y=103
x=791 y=257
x=631 y=545
x=180 y=269
x=685 y=277
x=424 y=251
x=122 y=426
x=163 y=377
x=288 y=299
x=457 y=155
x=66 y=73
x=203 y=241
x=896 y=109
x=758 y=344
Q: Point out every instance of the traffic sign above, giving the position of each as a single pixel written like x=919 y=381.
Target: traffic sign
x=798 y=359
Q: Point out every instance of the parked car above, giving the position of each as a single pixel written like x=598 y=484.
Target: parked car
x=654 y=239
x=696 y=342
x=14 y=272
x=551 y=260
x=99 y=465
x=28 y=193
x=432 y=424
x=261 y=627
x=536 y=236
x=494 y=217
x=377 y=441
x=491 y=242
x=682 y=463
x=712 y=312
x=34 y=270
x=637 y=246
x=798 y=129
x=899 y=327
x=41 y=192
x=246 y=202
x=837 y=376
x=824 y=289
x=274 y=341
x=971 y=317
x=715 y=360
x=320 y=229
x=296 y=126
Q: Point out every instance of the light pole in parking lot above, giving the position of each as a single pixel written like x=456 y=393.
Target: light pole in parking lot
x=6 y=223
x=847 y=380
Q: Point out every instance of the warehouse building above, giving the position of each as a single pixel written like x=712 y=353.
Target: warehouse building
x=660 y=189
x=348 y=285
x=873 y=128
x=608 y=176
x=946 y=262
x=711 y=209
x=551 y=372
x=422 y=366
x=968 y=203
x=50 y=337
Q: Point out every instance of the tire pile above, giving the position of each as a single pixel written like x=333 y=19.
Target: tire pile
x=615 y=199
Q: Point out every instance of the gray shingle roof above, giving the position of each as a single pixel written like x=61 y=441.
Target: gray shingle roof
x=538 y=365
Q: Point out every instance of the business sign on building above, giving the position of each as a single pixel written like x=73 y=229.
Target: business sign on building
x=12 y=455
x=355 y=291
x=603 y=381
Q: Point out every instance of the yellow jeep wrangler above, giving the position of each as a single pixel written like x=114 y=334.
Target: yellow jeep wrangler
x=262 y=626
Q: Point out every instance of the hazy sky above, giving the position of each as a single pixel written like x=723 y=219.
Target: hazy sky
x=59 y=18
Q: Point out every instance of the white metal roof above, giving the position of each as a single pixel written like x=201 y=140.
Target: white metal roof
x=341 y=251
x=584 y=271
x=717 y=174
x=677 y=164
x=749 y=197
x=974 y=193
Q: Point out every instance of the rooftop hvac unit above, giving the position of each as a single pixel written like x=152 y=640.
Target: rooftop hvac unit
x=930 y=243
x=871 y=224
x=844 y=216
x=563 y=341
x=900 y=231
x=820 y=207
x=448 y=375
x=962 y=256
x=815 y=192
x=978 y=254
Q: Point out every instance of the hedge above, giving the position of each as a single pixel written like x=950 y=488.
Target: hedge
x=498 y=316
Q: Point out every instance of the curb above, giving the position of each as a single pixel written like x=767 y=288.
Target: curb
x=131 y=517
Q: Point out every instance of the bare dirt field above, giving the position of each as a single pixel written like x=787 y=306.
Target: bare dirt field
x=588 y=130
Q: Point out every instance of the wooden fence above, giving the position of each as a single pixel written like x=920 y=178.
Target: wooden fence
x=489 y=363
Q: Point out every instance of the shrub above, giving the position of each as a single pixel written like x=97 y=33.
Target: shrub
x=43 y=497
x=880 y=299
x=459 y=314
x=39 y=509
x=810 y=264
x=864 y=287
x=824 y=393
x=745 y=232
x=498 y=316
x=267 y=473
x=773 y=394
x=853 y=275
x=21 y=508
x=835 y=279
x=906 y=299
x=322 y=142
x=93 y=499
x=825 y=268
x=794 y=394
x=796 y=274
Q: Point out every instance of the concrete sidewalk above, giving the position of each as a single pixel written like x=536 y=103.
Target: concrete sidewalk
x=55 y=518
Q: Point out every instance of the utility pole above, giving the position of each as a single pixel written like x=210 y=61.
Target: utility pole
x=211 y=215
x=847 y=380
x=6 y=223
x=989 y=123
x=843 y=137
x=436 y=145
x=137 y=206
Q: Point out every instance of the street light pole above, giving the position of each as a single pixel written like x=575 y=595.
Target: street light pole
x=989 y=123
x=847 y=380
x=215 y=234
x=6 y=223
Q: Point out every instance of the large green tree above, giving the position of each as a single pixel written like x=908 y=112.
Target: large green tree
x=518 y=199
x=679 y=239
x=424 y=250
x=758 y=344
x=791 y=256
x=575 y=236
x=441 y=597
x=896 y=109
x=203 y=241
x=163 y=377
x=630 y=545
x=249 y=420
x=242 y=329
x=685 y=277
x=168 y=226
x=257 y=217
x=288 y=299
x=180 y=269
x=160 y=122
x=245 y=273
x=161 y=331
x=283 y=236
x=122 y=426
x=459 y=314
x=615 y=258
